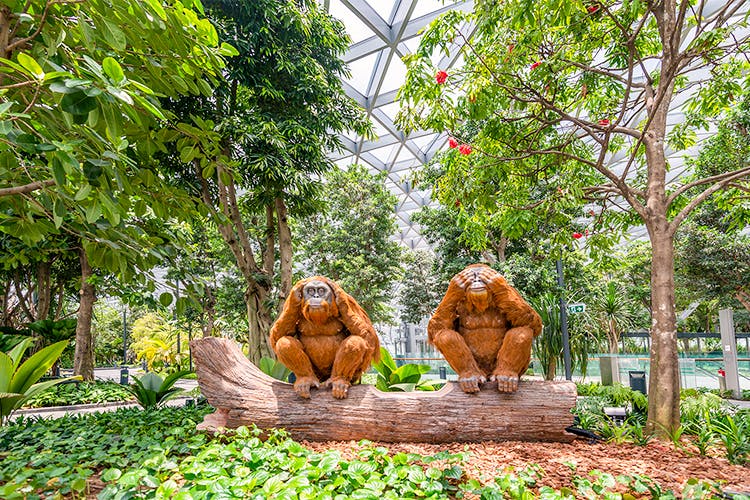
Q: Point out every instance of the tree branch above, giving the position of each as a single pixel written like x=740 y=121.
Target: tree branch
x=738 y=174
x=27 y=188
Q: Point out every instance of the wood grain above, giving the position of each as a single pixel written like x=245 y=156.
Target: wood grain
x=244 y=395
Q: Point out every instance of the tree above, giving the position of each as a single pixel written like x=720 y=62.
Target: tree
x=552 y=91
x=420 y=289
x=351 y=240
x=266 y=133
x=80 y=85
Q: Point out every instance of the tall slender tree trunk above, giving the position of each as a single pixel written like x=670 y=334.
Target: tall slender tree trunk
x=43 y=290
x=664 y=378
x=83 y=363
x=285 y=251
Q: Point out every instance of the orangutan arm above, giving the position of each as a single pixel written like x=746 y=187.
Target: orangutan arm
x=506 y=298
x=355 y=320
x=286 y=323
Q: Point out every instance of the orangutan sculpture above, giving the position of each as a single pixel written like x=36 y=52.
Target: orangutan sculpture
x=322 y=334
x=484 y=328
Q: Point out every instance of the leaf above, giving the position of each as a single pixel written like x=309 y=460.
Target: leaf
x=83 y=193
x=157 y=7
x=37 y=365
x=165 y=299
x=228 y=50
x=30 y=64
x=113 y=35
x=59 y=212
x=113 y=70
x=78 y=103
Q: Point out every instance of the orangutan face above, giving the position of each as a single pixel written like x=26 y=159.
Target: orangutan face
x=317 y=298
x=477 y=294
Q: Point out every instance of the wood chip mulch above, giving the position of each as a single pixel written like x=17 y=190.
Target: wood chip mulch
x=560 y=462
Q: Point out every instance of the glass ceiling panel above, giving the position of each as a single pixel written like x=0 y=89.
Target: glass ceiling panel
x=376 y=83
x=356 y=29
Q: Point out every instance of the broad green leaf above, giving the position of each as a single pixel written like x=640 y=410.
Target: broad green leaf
x=78 y=103
x=30 y=64
x=156 y=6
x=165 y=299
x=113 y=35
x=37 y=365
x=113 y=70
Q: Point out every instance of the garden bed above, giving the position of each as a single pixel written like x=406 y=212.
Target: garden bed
x=563 y=463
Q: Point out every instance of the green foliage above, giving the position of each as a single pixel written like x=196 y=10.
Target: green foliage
x=154 y=340
x=548 y=345
x=59 y=455
x=10 y=337
x=54 y=331
x=158 y=454
x=19 y=381
x=332 y=242
x=95 y=392
x=152 y=391
x=81 y=101
x=419 y=291
x=404 y=378
x=274 y=368
x=734 y=432
x=615 y=395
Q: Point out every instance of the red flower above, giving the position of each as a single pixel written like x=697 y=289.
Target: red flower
x=452 y=142
x=586 y=232
x=604 y=122
x=722 y=372
x=464 y=149
x=458 y=203
x=441 y=76
x=592 y=8
x=511 y=47
x=535 y=65
x=577 y=236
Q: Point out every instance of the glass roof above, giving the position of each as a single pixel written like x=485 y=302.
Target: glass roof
x=382 y=32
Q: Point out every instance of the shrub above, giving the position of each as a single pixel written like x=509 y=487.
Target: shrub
x=95 y=392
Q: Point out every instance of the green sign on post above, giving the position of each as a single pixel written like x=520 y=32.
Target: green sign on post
x=576 y=308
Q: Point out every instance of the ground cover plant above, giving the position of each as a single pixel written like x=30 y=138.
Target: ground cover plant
x=133 y=453
x=708 y=424
x=96 y=392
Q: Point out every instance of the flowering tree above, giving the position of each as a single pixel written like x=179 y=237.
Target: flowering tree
x=567 y=104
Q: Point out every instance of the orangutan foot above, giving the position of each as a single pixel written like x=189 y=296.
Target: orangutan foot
x=339 y=387
x=469 y=382
x=303 y=384
x=505 y=382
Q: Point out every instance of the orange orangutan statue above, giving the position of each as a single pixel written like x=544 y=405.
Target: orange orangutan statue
x=322 y=334
x=484 y=328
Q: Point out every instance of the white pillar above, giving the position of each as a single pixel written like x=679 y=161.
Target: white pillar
x=729 y=348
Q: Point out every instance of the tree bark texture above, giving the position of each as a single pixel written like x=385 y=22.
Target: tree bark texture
x=285 y=252
x=664 y=377
x=83 y=363
x=243 y=395
x=43 y=290
x=259 y=324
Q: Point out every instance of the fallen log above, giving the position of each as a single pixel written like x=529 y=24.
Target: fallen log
x=244 y=395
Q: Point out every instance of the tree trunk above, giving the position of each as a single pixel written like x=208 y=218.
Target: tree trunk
x=664 y=379
x=551 y=371
x=259 y=324
x=285 y=251
x=209 y=309
x=83 y=364
x=43 y=290
x=243 y=395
